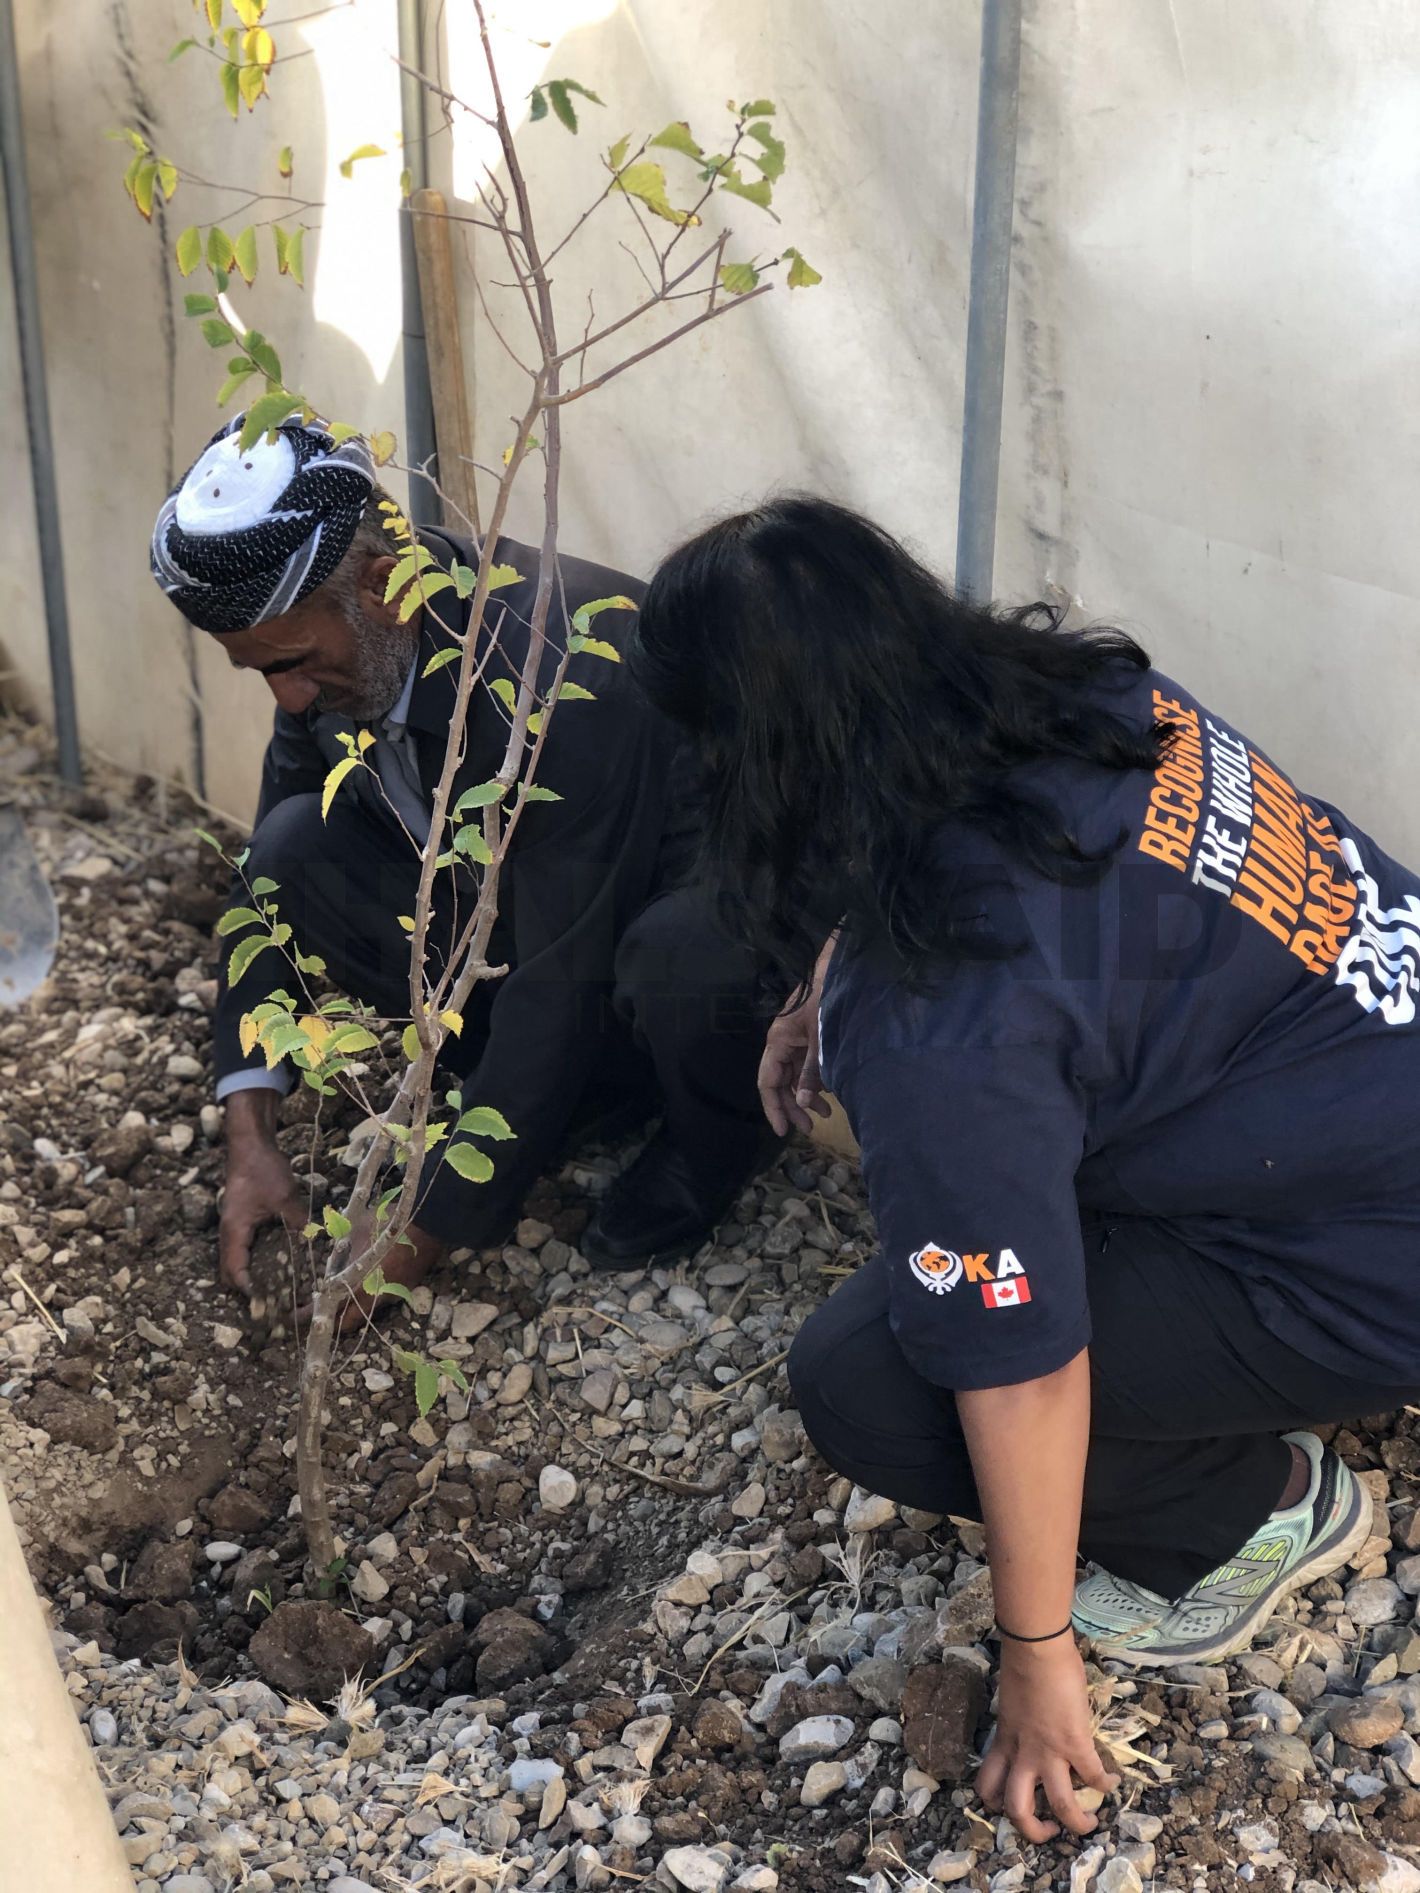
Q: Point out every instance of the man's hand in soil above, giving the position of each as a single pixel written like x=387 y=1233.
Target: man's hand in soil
x=260 y=1187
x=408 y=1262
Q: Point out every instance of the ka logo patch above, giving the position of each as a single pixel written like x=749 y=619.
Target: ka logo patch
x=936 y=1268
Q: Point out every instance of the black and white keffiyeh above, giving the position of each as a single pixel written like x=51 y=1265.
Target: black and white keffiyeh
x=245 y=536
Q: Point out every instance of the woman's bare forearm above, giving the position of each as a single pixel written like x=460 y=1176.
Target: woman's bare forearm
x=1028 y=1446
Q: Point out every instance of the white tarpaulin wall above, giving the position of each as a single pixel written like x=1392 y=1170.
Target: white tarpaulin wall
x=1211 y=413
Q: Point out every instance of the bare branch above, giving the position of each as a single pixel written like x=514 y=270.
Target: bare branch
x=708 y=315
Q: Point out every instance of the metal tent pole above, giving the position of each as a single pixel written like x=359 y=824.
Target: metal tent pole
x=420 y=442
x=997 y=107
x=49 y=542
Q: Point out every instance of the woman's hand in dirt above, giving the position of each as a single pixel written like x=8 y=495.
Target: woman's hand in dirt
x=260 y=1186
x=1043 y=1740
x=790 y=1081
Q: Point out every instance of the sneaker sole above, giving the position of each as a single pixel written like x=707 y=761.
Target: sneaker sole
x=1324 y=1558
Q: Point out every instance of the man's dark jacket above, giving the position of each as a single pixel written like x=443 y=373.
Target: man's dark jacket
x=578 y=871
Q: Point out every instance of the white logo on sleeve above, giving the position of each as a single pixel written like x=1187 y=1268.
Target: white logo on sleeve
x=936 y=1268
x=939 y=1269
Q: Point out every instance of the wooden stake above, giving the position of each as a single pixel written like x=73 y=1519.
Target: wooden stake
x=453 y=427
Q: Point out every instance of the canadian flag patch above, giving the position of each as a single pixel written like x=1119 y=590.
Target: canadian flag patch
x=1010 y=1293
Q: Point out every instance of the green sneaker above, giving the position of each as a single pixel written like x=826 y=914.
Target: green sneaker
x=1225 y=1610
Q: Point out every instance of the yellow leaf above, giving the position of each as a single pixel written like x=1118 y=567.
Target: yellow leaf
x=382 y=446
x=333 y=781
x=453 y=1020
x=251 y=83
x=407 y=922
x=214 y=14
x=317 y=1031
x=347 y=165
x=409 y=1042
x=248 y=1032
x=365 y=740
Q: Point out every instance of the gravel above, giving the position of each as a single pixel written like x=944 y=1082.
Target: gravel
x=605 y=1619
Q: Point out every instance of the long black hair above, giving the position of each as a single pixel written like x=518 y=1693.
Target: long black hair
x=844 y=704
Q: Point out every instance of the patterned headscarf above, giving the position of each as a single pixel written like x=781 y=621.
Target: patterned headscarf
x=245 y=536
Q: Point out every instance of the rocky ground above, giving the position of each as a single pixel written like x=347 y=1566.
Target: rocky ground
x=603 y=1621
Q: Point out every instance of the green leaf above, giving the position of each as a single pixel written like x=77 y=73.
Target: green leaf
x=167 y=178
x=534 y=792
x=739 y=278
x=263 y=884
x=409 y=1042
x=677 y=137
x=232 y=89
x=347 y=165
x=616 y=157
x=219 y=248
x=266 y=413
x=450 y=654
x=469 y=841
x=473 y=1165
x=464 y=577
x=234 y=381
x=263 y=354
x=337 y=1225
x=430 y=584
x=348 y=1039
x=594 y=607
x=595 y=647
x=774 y=159
x=426 y=1386
x=561 y=104
x=481 y=1120
x=480 y=797
x=647 y=183
x=199 y=305
x=189 y=249
x=453 y=1372
x=537 y=106
x=183 y=46
x=501 y=575
x=761 y=192
x=217 y=333
x=503 y=689
x=375 y=1284
x=144 y=179
x=802 y=275
x=285 y=161
x=296 y=256
x=244 y=952
x=338 y=773
x=757 y=108
x=404 y=569
x=251 y=84
x=570 y=693
x=235 y=919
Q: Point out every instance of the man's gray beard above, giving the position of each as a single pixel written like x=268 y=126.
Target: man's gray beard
x=383 y=656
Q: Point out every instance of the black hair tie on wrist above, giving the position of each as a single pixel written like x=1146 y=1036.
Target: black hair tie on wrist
x=1049 y=1637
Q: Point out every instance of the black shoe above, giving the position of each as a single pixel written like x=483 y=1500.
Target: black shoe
x=660 y=1208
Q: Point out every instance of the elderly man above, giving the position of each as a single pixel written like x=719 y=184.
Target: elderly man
x=621 y=998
